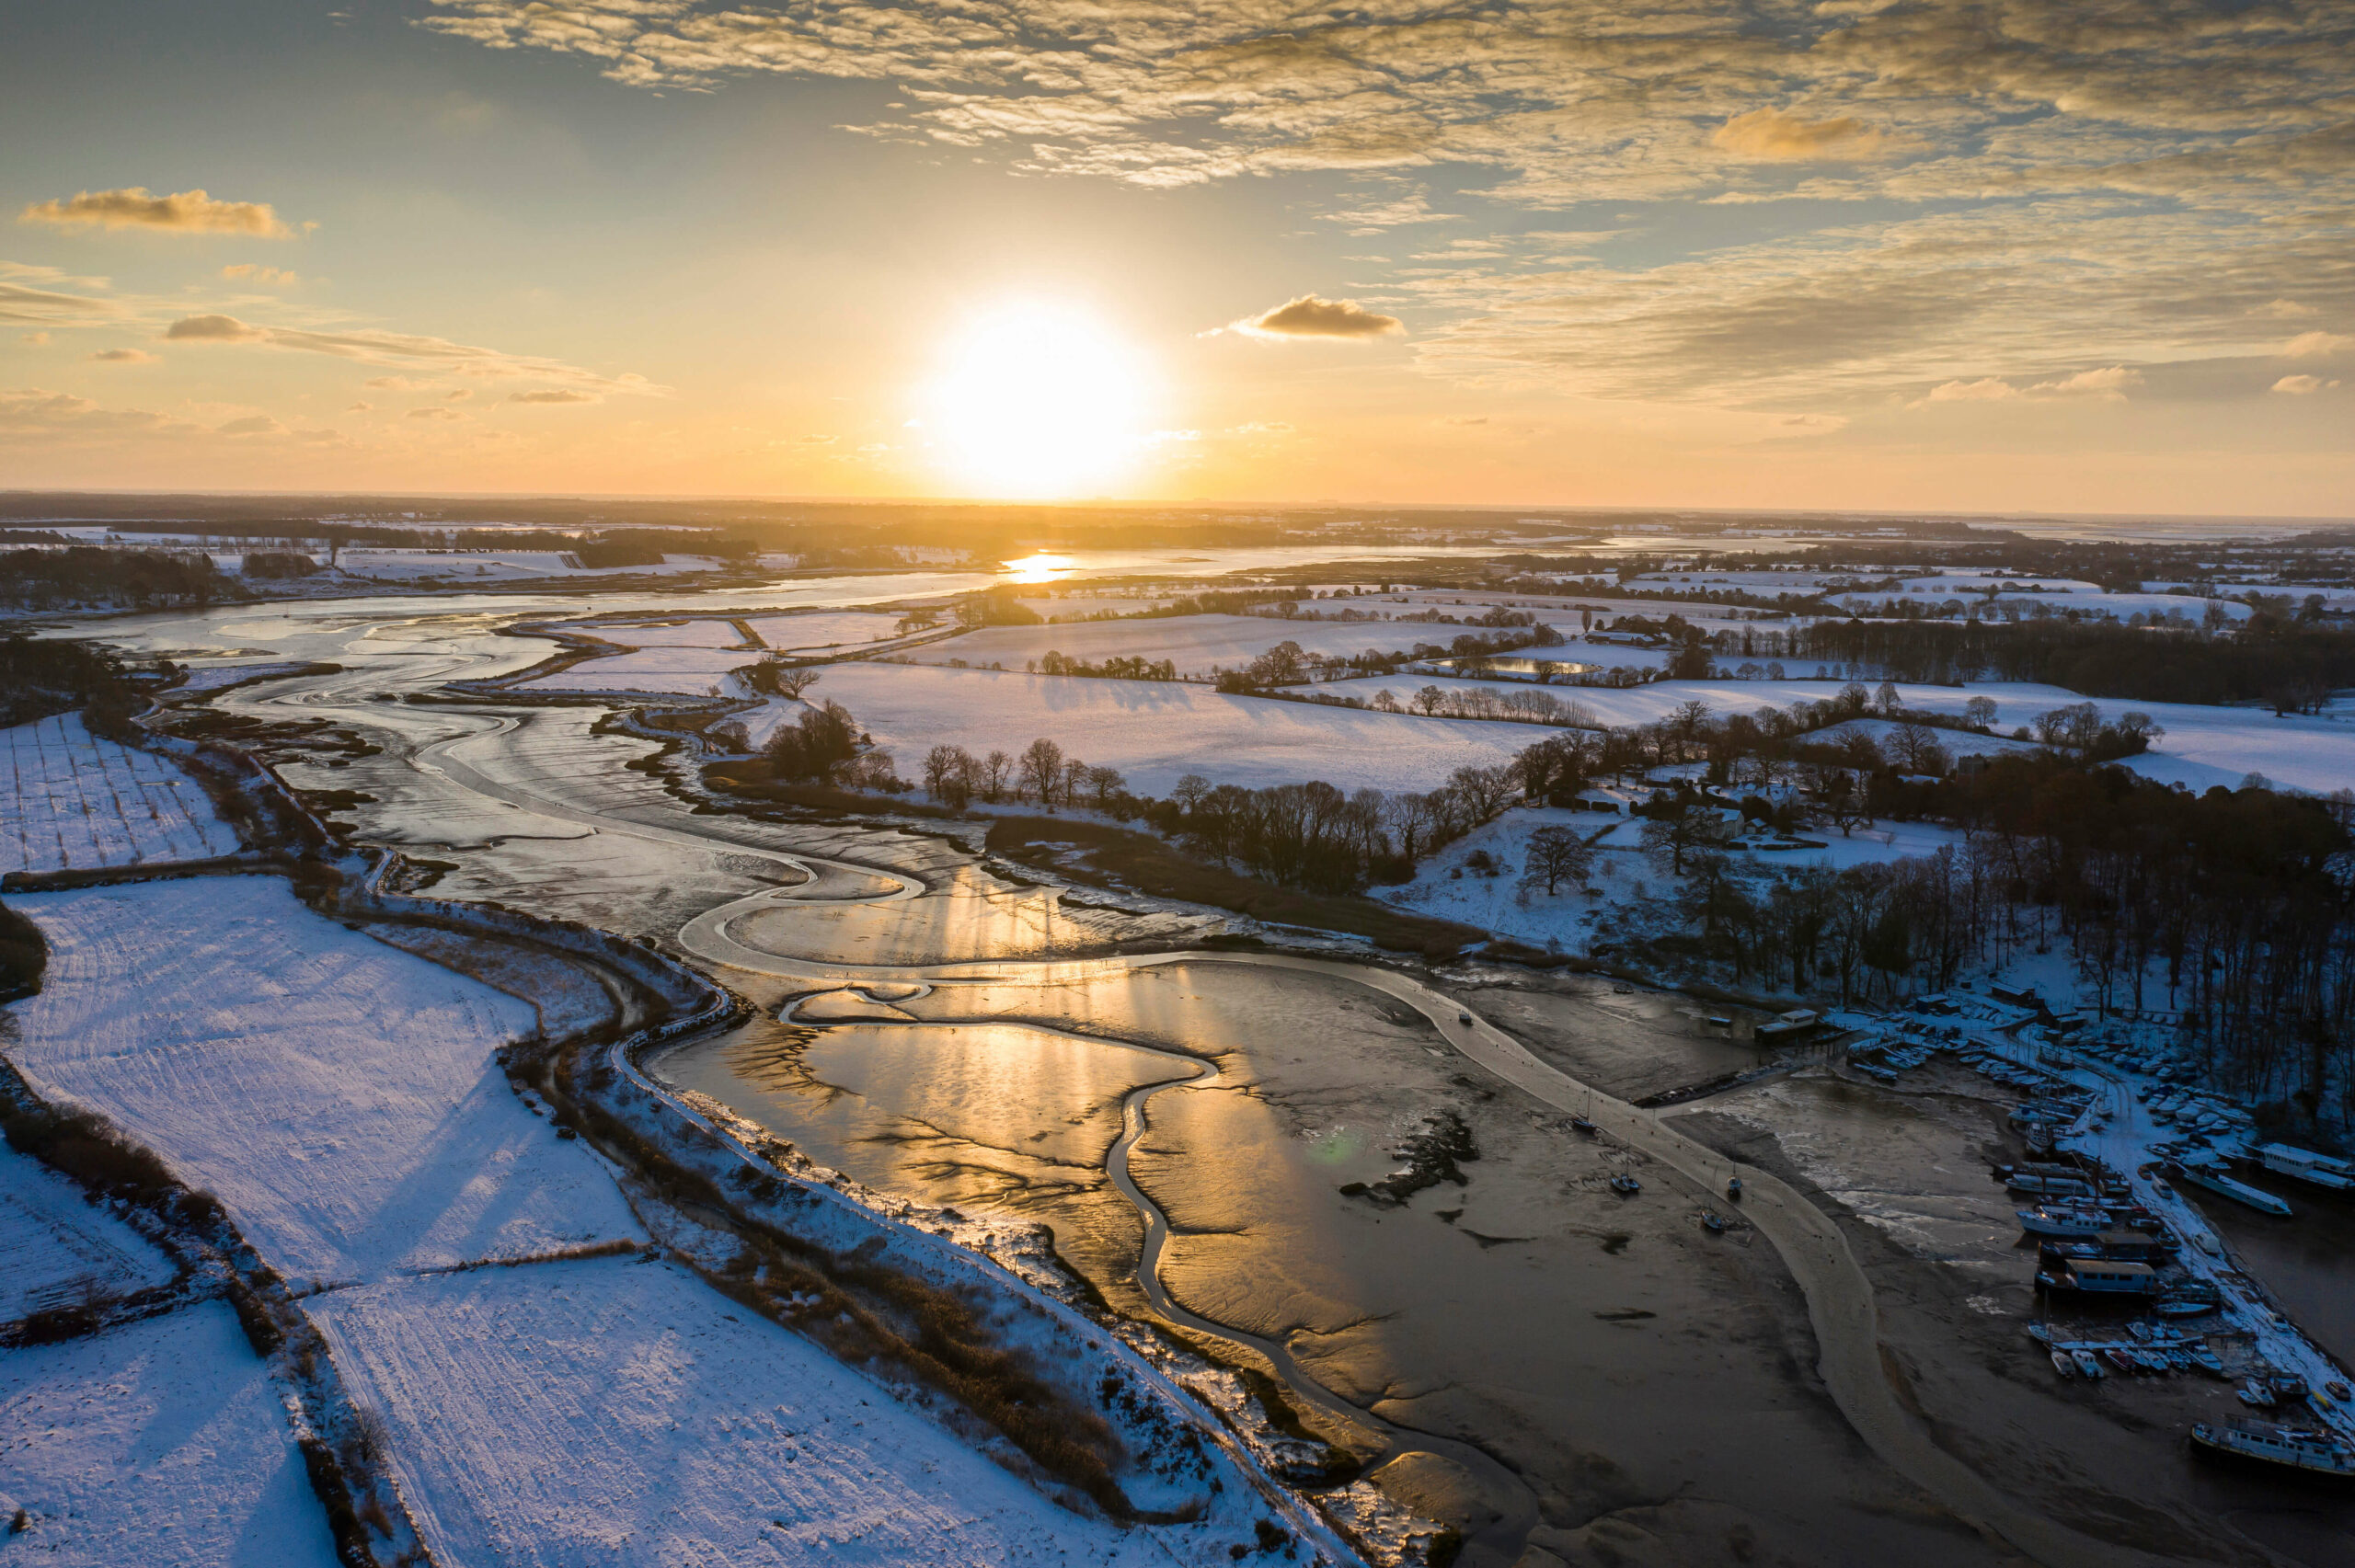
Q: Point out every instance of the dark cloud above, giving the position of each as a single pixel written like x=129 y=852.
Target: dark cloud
x=551 y=395
x=1310 y=316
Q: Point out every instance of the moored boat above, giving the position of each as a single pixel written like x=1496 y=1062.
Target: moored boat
x=2302 y=1450
x=2056 y=1219
x=2088 y=1365
x=1625 y=1186
x=2305 y=1166
x=2216 y=1181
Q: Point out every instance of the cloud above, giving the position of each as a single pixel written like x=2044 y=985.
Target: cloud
x=2308 y=345
x=33 y=339
x=2111 y=382
x=255 y=273
x=1772 y=136
x=434 y=355
x=135 y=207
x=551 y=395
x=36 y=413
x=1310 y=316
x=2282 y=310
x=460 y=395
x=435 y=413
x=362 y=407
x=124 y=357
x=253 y=425
x=215 y=329
x=2036 y=187
x=396 y=384
x=2299 y=385
x=1987 y=389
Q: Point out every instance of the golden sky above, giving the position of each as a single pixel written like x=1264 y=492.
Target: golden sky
x=2025 y=254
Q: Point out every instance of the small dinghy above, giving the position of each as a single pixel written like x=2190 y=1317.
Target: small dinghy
x=1625 y=1186
x=1713 y=1222
x=1733 y=1190
x=1584 y=1126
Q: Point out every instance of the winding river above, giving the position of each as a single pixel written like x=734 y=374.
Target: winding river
x=457 y=749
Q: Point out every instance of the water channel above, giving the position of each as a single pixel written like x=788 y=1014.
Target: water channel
x=1515 y=1346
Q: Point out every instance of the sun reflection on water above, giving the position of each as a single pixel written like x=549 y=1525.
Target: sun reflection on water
x=1038 y=568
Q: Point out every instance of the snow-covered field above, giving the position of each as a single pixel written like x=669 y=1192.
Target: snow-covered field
x=338 y=1095
x=685 y=671
x=704 y=634
x=2203 y=745
x=618 y=1411
x=826 y=629
x=73 y=800
x=1194 y=643
x=1156 y=731
x=157 y=1443
x=54 y=1245
x=500 y=566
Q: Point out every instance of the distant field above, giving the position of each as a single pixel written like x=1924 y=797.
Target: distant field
x=683 y=671
x=2203 y=745
x=1155 y=731
x=70 y=800
x=823 y=629
x=1193 y=642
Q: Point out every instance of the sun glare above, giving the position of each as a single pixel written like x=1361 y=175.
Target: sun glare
x=1038 y=567
x=1039 y=401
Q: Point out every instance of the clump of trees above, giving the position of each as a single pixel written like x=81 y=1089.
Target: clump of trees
x=1042 y=773
x=824 y=745
x=86 y=574
x=1114 y=668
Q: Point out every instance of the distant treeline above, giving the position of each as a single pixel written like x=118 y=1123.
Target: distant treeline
x=88 y=575
x=2290 y=665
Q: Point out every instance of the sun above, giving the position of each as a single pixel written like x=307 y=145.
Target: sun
x=1038 y=401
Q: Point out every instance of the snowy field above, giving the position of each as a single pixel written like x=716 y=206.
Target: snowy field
x=54 y=1245
x=161 y=1444
x=1448 y=887
x=338 y=1095
x=69 y=799
x=2203 y=745
x=712 y=633
x=834 y=629
x=618 y=1411
x=1156 y=731
x=1194 y=643
x=500 y=566
x=683 y=671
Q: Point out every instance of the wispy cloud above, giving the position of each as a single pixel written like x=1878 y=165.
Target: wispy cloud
x=432 y=355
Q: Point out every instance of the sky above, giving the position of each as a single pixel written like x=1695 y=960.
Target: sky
x=2087 y=256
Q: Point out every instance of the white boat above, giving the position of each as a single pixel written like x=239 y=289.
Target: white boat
x=2305 y=1450
x=2215 y=1180
x=2045 y=1219
x=2305 y=1166
x=1798 y=1021
x=2088 y=1365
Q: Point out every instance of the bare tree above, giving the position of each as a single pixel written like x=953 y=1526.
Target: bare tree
x=1103 y=785
x=1888 y=701
x=949 y=776
x=1557 y=852
x=794 y=682
x=1191 y=791
x=997 y=768
x=1979 y=714
x=1041 y=769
